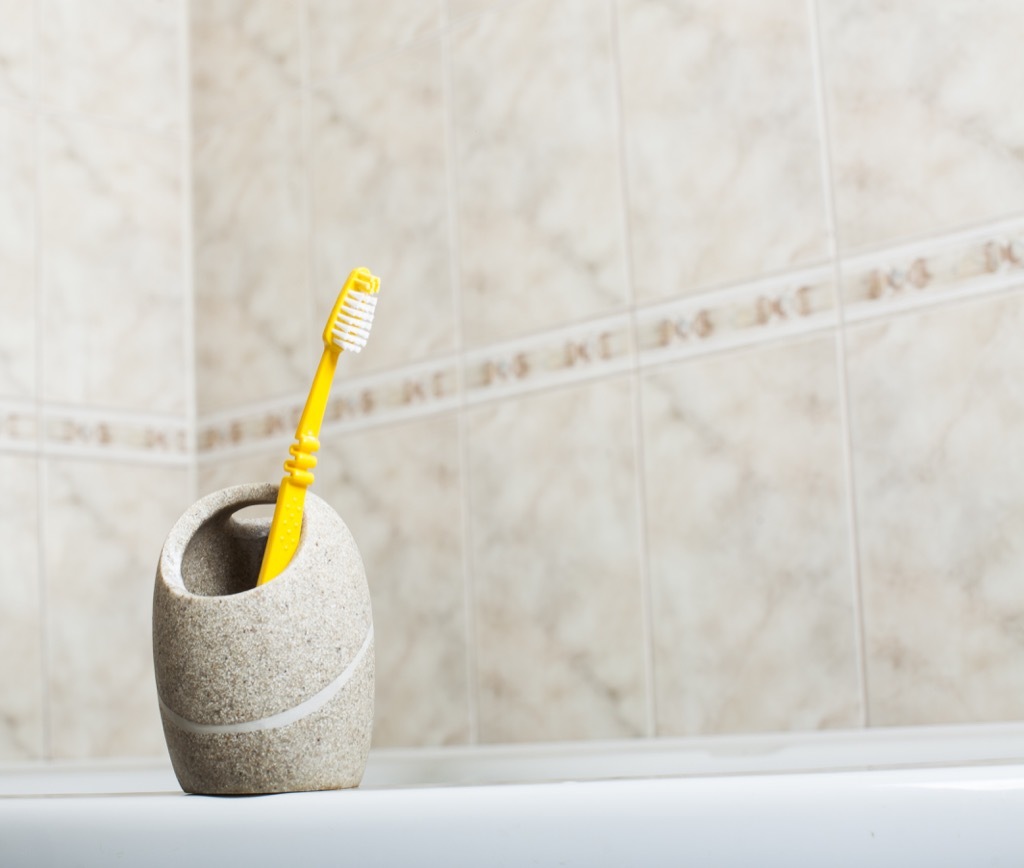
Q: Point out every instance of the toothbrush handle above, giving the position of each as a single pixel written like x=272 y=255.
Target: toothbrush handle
x=286 y=525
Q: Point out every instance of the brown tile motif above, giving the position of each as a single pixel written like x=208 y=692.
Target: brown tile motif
x=115 y=435
x=875 y=284
x=17 y=425
x=354 y=404
x=580 y=353
x=795 y=303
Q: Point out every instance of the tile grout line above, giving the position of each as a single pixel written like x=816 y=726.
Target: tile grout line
x=462 y=421
x=306 y=110
x=42 y=468
x=188 y=247
x=636 y=396
x=831 y=216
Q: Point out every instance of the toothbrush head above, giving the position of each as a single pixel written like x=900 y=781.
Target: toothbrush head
x=349 y=324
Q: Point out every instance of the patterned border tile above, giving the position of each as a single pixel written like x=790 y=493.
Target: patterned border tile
x=792 y=304
x=566 y=355
x=386 y=397
x=18 y=429
x=879 y=283
x=933 y=271
x=156 y=439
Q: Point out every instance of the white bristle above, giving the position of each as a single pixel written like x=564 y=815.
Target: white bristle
x=352 y=324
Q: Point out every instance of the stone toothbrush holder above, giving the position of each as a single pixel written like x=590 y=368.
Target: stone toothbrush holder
x=262 y=689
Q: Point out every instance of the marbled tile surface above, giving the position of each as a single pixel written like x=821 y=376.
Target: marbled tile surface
x=105 y=524
x=722 y=146
x=937 y=409
x=555 y=553
x=17 y=253
x=112 y=58
x=920 y=99
x=752 y=598
x=459 y=9
x=112 y=267
x=343 y=33
x=244 y=56
x=21 y=668
x=17 y=49
x=379 y=200
x=540 y=226
x=398 y=490
x=254 y=338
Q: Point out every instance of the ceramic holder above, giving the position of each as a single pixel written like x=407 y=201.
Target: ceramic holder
x=262 y=689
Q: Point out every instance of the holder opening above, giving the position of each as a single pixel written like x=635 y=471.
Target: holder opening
x=225 y=553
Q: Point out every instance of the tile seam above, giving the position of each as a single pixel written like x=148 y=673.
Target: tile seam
x=636 y=396
x=471 y=633
x=842 y=378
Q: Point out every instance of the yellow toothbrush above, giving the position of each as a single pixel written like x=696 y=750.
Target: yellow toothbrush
x=347 y=329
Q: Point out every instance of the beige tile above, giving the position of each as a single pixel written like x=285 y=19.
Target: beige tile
x=540 y=228
x=379 y=200
x=244 y=57
x=267 y=465
x=17 y=49
x=21 y=669
x=555 y=554
x=919 y=96
x=460 y=9
x=398 y=489
x=112 y=276
x=937 y=415
x=722 y=149
x=753 y=613
x=105 y=525
x=343 y=33
x=112 y=58
x=254 y=338
x=17 y=253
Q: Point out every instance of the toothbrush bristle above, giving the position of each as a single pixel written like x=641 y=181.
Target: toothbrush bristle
x=352 y=324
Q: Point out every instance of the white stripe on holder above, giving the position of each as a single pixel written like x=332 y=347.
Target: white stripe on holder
x=284 y=718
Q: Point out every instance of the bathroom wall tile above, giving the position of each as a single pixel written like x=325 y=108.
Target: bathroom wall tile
x=112 y=274
x=540 y=227
x=460 y=9
x=17 y=49
x=752 y=598
x=918 y=97
x=555 y=553
x=254 y=339
x=722 y=147
x=937 y=415
x=347 y=32
x=112 y=58
x=21 y=670
x=105 y=525
x=245 y=57
x=398 y=489
x=379 y=199
x=17 y=253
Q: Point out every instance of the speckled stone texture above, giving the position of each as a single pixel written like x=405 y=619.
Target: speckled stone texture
x=268 y=689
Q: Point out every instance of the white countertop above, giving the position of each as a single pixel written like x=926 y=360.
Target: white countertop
x=700 y=813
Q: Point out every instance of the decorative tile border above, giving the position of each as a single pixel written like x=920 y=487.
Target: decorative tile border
x=554 y=358
x=934 y=271
x=387 y=397
x=89 y=433
x=792 y=304
x=18 y=426
x=92 y=433
x=881 y=283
